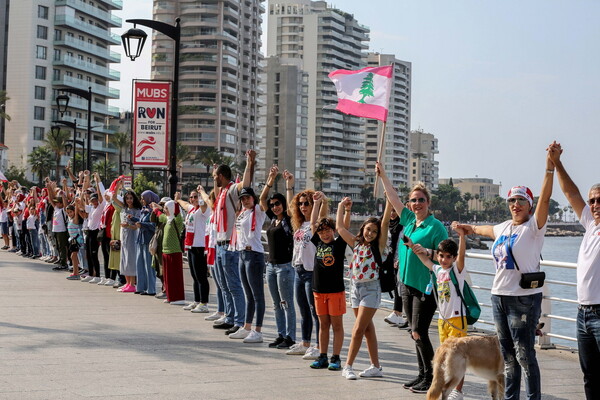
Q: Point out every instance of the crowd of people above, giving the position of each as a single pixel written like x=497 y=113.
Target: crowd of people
x=143 y=238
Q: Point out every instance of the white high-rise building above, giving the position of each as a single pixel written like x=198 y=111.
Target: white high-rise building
x=423 y=165
x=55 y=44
x=320 y=39
x=395 y=151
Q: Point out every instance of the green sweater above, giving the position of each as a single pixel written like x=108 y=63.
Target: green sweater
x=171 y=242
x=429 y=234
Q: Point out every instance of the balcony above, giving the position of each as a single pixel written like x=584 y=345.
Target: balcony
x=109 y=56
x=113 y=4
x=111 y=20
x=97 y=108
x=71 y=22
x=100 y=90
x=88 y=67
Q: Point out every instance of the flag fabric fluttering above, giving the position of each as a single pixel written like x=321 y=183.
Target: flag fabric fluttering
x=364 y=93
x=3 y=177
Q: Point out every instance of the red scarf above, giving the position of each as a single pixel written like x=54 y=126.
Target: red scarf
x=190 y=228
x=222 y=209
x=253 y=228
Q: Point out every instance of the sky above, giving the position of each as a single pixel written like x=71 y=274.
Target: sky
x=495 y=81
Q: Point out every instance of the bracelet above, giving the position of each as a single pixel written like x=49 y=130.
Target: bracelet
x=550 y=171
x=269 y=186
x=347 y=210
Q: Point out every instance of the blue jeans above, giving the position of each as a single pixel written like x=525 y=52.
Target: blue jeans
x=35 y=242
x=306 y=303
x=588 y=342
x=252 y=268
x=219 y=294
x=228 y=277
x=146 y=275
x=516 y=318
x=44 y=245
x=281 y=279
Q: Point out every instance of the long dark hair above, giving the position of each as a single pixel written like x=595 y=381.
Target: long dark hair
x=137 y=204
x=371 y=220
x=281 y=198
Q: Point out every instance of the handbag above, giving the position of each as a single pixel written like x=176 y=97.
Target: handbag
x=153 y=245
x=115 y=245
x=529 y=280
x=73 y=244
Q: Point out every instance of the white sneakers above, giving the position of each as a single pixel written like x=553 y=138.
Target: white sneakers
x=372 y=372
x=312 y=353
x=297 y=349
x=87 y=278
x=95 y=280
x=394 y=319
x=455 y=395
x=190 y=306
x=200 y=308
x=178 y=303
x=213 y=317
x=348 y=373
x=240 y=334
x=253 y=337
x=109 y=282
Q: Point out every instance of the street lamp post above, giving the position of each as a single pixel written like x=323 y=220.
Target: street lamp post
x=137 y=37
x=62 y=102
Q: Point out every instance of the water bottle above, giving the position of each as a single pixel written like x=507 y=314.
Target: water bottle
x=429 y=289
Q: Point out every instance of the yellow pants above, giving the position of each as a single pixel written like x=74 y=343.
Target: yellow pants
x=446 y=330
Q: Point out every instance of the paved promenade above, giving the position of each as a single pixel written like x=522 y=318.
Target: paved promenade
x=64 y=339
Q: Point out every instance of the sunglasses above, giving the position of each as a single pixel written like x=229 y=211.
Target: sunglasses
x=520 y=201
x=303 y=203
x=595 y=200
x=275 y=204
x=418 y=200
x=193 y=197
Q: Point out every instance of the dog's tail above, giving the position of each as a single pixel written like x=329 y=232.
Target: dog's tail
x=439 y=378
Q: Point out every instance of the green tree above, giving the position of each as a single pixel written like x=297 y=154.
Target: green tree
x=367 y=88
x=3 y=99
x=444 y=201
x=56 y=144
x=41 y=161
x=319 y=176
x=208 y=157
x=141 y=183
x=14 y=173
x=122 y=141
x=106 y=169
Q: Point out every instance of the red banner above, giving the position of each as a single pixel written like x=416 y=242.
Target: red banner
x=152 y=111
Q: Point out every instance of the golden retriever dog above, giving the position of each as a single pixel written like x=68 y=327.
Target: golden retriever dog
x=480 y=353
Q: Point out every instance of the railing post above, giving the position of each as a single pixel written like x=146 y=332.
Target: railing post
x=545 y=341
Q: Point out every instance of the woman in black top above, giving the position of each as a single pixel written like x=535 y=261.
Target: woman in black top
x=280 y=272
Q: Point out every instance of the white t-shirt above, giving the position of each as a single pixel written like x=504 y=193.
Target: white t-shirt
x=526 y=242
x=3 y=215
x=58 y=220
x=588 y=261
x=304 y=249
x=245 y=235
x=31 y=221
x=449 y=301
x=195 y=221
x=94 y=215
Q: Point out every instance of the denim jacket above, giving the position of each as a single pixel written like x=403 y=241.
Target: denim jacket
x=147 y=229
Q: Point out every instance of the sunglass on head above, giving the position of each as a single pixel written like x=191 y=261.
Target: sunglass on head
x=521 y=201
x=274 y=204
x=594 y=200
x=303 y=203
x=418 y=199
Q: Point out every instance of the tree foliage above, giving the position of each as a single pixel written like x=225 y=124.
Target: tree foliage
x=141 y=183
x=41 y=161
x=56 y=143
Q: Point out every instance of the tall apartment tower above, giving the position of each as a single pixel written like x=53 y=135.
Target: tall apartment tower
x=395 y=152
x=59 y=44
x=4 y=8
x=219 y=73
x=423 y=166
x=320 y=39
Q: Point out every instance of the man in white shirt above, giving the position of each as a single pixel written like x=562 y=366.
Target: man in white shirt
x=588 y=275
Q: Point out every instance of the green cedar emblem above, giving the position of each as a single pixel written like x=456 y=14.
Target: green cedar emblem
x=366 y=88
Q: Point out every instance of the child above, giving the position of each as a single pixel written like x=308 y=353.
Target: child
x=452 y=321
x=32 y=231
x=328 y=284
x=365 y=288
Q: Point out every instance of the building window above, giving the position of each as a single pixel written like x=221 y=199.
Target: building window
x=40 y=72
x=39 y=113
x=57 y=54
x=42 y=32
x=40 y=52
x=40 y=93
x=38 y=133
x=43 y=12
x=57 y=34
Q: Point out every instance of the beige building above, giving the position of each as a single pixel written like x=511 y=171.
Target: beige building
x=422 y=164
x=480 y=189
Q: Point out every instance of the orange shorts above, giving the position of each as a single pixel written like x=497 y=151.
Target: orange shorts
x=333 y=304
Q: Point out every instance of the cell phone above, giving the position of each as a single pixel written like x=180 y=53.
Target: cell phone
x=405 y=238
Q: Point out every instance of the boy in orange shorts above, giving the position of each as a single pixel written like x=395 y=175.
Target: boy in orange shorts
x=328 y=286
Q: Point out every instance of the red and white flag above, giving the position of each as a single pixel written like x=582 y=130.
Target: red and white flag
x=2 y=177
x=364 y=93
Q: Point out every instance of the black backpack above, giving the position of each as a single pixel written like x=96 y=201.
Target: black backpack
x=387 y=274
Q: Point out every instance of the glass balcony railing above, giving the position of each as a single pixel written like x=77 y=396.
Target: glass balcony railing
x=114 y=4
x=100 y=90
x=88 y=67
x=107 y=17
x=87 y=28
x=89 y=48
x=98 y=108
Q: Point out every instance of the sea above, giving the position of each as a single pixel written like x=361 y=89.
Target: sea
x=555 y=249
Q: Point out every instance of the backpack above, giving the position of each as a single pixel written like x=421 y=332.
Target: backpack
x=468 y=298
x=387 y=273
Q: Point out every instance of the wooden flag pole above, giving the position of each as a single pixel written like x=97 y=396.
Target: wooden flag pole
x=379 y=150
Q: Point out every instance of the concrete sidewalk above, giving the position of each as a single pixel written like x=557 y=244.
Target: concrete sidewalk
x=64 y=339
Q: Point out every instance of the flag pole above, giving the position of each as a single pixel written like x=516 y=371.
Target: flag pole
x=379 y=150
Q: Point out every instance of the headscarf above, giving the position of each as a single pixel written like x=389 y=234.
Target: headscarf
x=173 y=210
x=150 y=197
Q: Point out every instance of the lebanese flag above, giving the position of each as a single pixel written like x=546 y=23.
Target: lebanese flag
x=364 y=93
x=2 y=177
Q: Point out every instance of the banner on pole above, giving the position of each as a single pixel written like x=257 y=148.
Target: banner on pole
x=152 y=110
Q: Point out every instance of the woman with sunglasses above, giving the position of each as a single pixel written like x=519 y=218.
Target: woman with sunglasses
x=517 y=247
x=303 y=260
x=415 y=280
x=280 y=273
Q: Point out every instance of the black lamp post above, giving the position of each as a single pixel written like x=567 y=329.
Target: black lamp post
x=134 y=39
x=73 y=125
x=62 y=102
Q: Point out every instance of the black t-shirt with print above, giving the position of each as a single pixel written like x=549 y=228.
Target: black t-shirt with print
x=328 y=275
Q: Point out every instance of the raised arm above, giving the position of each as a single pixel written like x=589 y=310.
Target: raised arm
x=347 y=214
x=462 y=246
x=541 y=211
x=205 y=198
x=115 y=199
x=345 y=204
x=390 y=191
x=567 y=185
x=483 y=230
x=264 y=195
x=385 y=226
x=249 y=170
x=86 y=180
x=182 y=203
x=314 y=215
x=289 y=189
x=71 y=176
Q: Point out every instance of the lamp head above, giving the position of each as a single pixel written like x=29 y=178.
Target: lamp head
x=134 y=39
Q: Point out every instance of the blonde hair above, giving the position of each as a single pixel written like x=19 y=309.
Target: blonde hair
x=420 y=186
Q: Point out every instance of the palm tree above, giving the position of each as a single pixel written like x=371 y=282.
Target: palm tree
x=3 y=99
x=121 y=140
x=105 y=168
x=209 y=156
x=56 y=143
x=182 y=154
x=319 y=176
x=40 y=162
